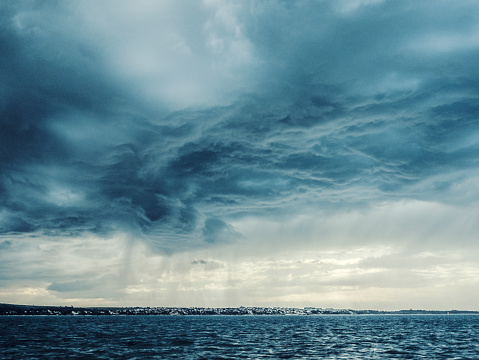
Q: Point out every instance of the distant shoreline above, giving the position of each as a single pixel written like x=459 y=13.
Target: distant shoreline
x=13 y=309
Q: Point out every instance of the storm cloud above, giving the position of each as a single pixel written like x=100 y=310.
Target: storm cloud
x=177 y=124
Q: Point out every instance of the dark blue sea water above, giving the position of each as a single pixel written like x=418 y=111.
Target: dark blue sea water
x=240 y=337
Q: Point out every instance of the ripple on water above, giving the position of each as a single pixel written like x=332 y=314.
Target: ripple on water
x=247 y=337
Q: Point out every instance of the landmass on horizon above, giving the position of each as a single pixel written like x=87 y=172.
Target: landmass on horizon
x=13 y=309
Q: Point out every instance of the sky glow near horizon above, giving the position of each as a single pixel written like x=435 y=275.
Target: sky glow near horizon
x=228 y=153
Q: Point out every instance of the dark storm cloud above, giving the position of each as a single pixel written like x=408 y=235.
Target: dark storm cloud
x=350 y=105
x=217 y=230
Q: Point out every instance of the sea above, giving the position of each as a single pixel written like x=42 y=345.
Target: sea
x=240 y=337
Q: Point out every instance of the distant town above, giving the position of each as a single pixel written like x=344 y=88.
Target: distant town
x=12 y=309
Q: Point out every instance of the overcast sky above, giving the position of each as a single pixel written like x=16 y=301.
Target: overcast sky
x=227 y=153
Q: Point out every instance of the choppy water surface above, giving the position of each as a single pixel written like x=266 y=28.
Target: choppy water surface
x=240 y=337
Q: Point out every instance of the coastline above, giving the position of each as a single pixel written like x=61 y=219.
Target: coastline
x=14 y=309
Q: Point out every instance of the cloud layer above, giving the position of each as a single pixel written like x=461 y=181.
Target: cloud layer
x=183 y=126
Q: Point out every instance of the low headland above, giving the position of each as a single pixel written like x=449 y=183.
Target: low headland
x=12 y=309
